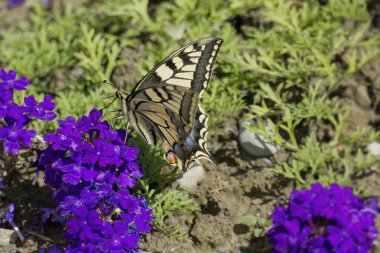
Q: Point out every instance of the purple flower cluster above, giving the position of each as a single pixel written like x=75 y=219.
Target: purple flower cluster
x=52 y=249
x=14 y=117
x=92 y=170
x=14 y=3
x=324 y=220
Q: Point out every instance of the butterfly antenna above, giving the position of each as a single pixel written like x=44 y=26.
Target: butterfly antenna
x=109 y=104
x=109 y=83
x=112 y=96
x=100 y=99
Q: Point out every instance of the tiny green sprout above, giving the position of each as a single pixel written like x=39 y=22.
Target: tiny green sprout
x=258 y=224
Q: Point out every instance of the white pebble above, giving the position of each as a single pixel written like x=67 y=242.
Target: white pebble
x=374 y=148
x=190 y=179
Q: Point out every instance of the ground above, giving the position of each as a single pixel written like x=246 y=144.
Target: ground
x=239 y=184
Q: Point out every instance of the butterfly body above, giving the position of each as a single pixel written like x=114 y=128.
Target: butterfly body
x=165 y=103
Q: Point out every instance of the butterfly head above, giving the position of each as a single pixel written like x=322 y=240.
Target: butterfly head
x=119 y=95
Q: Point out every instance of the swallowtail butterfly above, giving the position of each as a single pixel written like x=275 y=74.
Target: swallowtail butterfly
x=165 y=103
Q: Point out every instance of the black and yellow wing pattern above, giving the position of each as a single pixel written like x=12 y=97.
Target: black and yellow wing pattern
x=165 y=103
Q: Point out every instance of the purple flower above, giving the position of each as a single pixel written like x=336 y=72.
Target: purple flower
x=8 y=80
x=130 y=153
x=91 y=170
x=118 y=237
x=42 y=110
x=2 y=186
x=51 y=214
x=85 y=225
x=16 y=117
x=14 y=3
x=74 y=173
x=9 y=216
x=5 y=97
x=14 y=111
x=82 y=247
x=52 y=249
x=14 y=133
x=324 y=220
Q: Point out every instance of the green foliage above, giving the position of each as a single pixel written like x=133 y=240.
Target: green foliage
x=220 y=102
x=96 y=50
x=298 y=76
x=258 y=225
x=165 y=204
x=43 y=45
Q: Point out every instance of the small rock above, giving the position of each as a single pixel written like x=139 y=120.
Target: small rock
x=6 y=236
x=190 y=179
x=374 y=148
x=362 y=98
x=255 y=144
x=175 y=32
x=32 y=244
x=14 y=237
x=268 y=162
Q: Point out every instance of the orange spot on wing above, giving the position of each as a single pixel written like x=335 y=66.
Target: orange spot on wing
x=171 y=158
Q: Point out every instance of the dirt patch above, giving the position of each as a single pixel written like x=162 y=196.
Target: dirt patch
x=238 y=185
x=18 y=174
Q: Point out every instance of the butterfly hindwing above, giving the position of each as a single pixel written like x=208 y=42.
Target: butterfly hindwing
x=165 y=102
x=178 y=100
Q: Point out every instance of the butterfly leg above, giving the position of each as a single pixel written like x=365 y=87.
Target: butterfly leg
x=126 y=136
x=110 y=111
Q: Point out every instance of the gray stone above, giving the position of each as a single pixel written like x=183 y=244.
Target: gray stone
x=256 y=144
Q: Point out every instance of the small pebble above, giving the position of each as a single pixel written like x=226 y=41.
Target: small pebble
x=190 y=179
x=374 y=148
x=175 y=32
x=268 y=162
x=255 y=144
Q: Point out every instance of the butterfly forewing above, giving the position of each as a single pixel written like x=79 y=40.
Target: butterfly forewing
x=165 y=102
x=189 y=67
